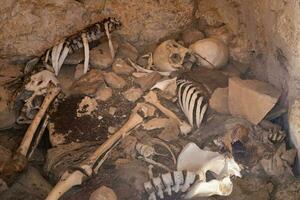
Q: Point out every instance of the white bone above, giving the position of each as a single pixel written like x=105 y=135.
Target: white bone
x=214 y=187
x=86 y=52
x=203 y=110
x=192 y=107
x=189 y=106
x=168 y=182
x=159 y=186
x=110 y=44
x=189 y=179
x=198 y=111
x=162 y=85
x=53 y=56
x=63 y=57
x=184 y=96
x=178 y=180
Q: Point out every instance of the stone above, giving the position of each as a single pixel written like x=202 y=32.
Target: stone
x=39 y=25
x=78 y=71
x=133 y=94
x=288 y=191
x=74 y=58
x=127 y=50
x=100 y=56
x=103 y=193
x=251 y=99
x=104 y=93
x=155 y=123
x=112 y=129
x=3 y=186
x=112 y=110
x=30 y=185
x=294 y=125
x=114 y=81
x=86 y=106
x=219 y=100
x=170 y=132
x=121 y=67
x=147 y=81
x=88 y=83
x=7 y=113
x=190 y=36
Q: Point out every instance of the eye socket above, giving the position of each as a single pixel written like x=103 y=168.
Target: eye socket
x=176 y=58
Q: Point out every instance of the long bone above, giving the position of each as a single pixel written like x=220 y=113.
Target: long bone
x=27 y=139
x=68 y=180
x=86 y=52
x=152 y=98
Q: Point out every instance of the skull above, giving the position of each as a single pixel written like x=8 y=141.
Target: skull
x=211 y=53
x=170 y=56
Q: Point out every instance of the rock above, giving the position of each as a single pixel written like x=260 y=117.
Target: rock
x=103 y=193
x=112 y=129
x=251 y=99
x=294 y=125
x=3 y=186
x=86 y=106
x=288 y=191
x=121 y=67
x=103 y=93
x=127 y=50
x=89 y=83
x=78 y=71
x=74 y=58
x=155 y=123
x=170 y=132
x=219 y=100
x=30 y=185
x=7 y=113
x=112 y=110
x=133 y=94
x=100 y=56
x=190 y=36
x=164 y=19
x=32 y=19
x=147 y=81
x=114 y=81
x=66 y=78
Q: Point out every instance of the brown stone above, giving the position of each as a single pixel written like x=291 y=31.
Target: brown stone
x=219 y=100
x=251 y=99
x=100 y=57
x=127 y=50
x=133 y=94
x=89 y=83
x=74 y=58
x=114 y=81
x=190 y=36
x=103 y=93
x=78 y=71
x=147 y=81
x=121 y=67
x=103 y=193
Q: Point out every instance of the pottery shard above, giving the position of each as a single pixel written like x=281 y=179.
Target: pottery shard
x=133 y=94
x=103 y=93
x=103 y=193
x=100 y=57
x=121 y=67
x=219 y=100
x=114 y=81
x=251 y=99
x=88 y=83
x=147 y=81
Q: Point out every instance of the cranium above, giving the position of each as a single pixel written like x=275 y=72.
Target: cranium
x=170 y=56
x=210 y=52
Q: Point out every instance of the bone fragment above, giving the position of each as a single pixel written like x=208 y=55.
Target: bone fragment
x=63 y=57
x=141 y=69
x=27 y=139
x=110 y=44
x=77 y=177
x=86 y=53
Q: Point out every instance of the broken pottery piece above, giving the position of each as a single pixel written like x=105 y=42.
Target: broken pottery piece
x=100 y=56
x=133 y=94
x=121 y=67
x=104 y=93
x=147 y=81
x=219 y=100
x=114 y=81
x=103 y=193
x=251 y=99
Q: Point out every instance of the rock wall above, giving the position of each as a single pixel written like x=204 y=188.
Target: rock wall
x=29 y=28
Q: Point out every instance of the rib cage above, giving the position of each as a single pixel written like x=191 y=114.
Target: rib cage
x=192 y=102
